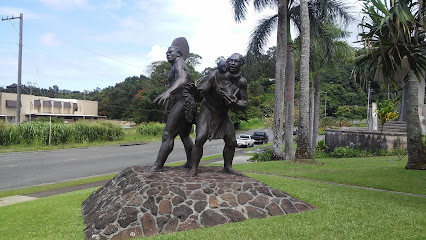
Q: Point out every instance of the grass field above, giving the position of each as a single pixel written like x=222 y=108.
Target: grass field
x=343 y=212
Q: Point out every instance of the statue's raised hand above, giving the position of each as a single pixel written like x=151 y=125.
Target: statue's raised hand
x=162 y=98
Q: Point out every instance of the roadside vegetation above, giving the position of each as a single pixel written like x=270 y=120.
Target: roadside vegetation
x=34 y=136
x=343 y=212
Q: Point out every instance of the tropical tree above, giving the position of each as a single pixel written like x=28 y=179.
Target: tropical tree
x=240 y=10
x=320 y=10
x=326 y=50
x=303 y=150
x=394 y=36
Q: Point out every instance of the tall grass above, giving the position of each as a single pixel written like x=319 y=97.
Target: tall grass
x=150 y=129
x=37 y=133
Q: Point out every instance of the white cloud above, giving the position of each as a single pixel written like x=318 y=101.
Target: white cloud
x=50 y=40
x=65 y=4
x=157 y=53
x=132 y=24
x=215 y=33
x=113 y=4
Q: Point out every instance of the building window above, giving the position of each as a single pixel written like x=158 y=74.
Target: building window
x=47 y=103
x=12 y=103
x=57 y=104
x=37 y=103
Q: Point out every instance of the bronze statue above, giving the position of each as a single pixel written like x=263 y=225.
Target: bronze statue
x=222 y=89
x=183 y=113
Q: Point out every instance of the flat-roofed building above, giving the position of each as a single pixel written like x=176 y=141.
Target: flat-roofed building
x=33 y=107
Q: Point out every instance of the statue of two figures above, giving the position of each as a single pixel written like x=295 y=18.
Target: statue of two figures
x=219 y=91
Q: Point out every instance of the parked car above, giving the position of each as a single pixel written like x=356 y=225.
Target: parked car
x=294 y=132
x=245 y=140
x=260 y=137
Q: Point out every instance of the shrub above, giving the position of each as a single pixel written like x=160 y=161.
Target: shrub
x=251 y=124
x=150 y=129
x=347 y=152
x=321 y=146
x=262 y=155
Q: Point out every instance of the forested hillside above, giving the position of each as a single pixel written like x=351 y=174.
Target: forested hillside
x=132 y=98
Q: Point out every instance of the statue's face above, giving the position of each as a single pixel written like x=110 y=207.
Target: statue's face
x=234 y=63
x=171 y=54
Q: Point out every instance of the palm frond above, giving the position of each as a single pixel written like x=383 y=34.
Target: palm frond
x=259 y=5
x=240 y=9
x=261 y=34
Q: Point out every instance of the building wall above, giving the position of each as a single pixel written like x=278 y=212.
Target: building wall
x=84 y=107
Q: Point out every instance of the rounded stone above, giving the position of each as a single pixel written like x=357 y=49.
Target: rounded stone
x=210 y=218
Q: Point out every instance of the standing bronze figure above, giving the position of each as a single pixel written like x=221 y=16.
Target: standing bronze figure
x=182 y=115
x=222 y=89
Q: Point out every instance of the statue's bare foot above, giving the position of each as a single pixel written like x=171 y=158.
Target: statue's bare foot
x=186 y=165
x=192 y=173
x=153 y=168
x=231 y=171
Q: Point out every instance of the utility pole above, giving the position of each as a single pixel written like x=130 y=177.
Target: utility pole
x=18 y=91
x=31 y=93
x=84 y=104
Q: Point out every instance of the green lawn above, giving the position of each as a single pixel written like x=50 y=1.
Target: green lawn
x=343 y=212
x=376 y=172
x=23 y=191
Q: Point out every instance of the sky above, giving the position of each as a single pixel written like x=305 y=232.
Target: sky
x=86 y=44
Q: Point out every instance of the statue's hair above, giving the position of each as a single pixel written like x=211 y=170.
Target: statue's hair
x=239 y=56
x=222 y=66
x=177 y=50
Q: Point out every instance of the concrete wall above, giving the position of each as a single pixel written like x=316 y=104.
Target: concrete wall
x=363 y=140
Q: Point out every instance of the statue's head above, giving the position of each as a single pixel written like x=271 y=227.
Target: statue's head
x=172 y=53
x=222 y=66
x=235 y=61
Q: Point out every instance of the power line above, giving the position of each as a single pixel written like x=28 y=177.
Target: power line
x=86 y=49
x=13 y=25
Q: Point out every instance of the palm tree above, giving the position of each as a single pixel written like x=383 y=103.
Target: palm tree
x=322 y=11
x=324 y=51
x=394 y=36
x=240 y=9
x=303 y=150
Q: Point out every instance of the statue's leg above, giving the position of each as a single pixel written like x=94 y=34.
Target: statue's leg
x=229 y=149
x=187 y=143
x=202 y=132
x=171 y=130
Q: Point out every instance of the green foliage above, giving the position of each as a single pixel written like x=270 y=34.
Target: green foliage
x=321 y=146
x=386 y=111
x=347 y=152
x=251 y=124
x=47 y=119
x=352 y=151
x=262 y=155
x=394 y=36
x=151 y=129
x=37 y=133
x=332 y=122
x=351 y=112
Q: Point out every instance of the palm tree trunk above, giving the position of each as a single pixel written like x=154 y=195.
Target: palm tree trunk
x=303 y=150
x=316 y=111
x=289 y=104
x=311 y=109
x=415 y=148
x=280 y=62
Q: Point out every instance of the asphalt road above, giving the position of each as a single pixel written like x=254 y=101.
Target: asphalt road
x=18 y=170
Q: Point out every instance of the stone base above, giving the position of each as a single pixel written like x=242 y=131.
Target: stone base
x=135 y=204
